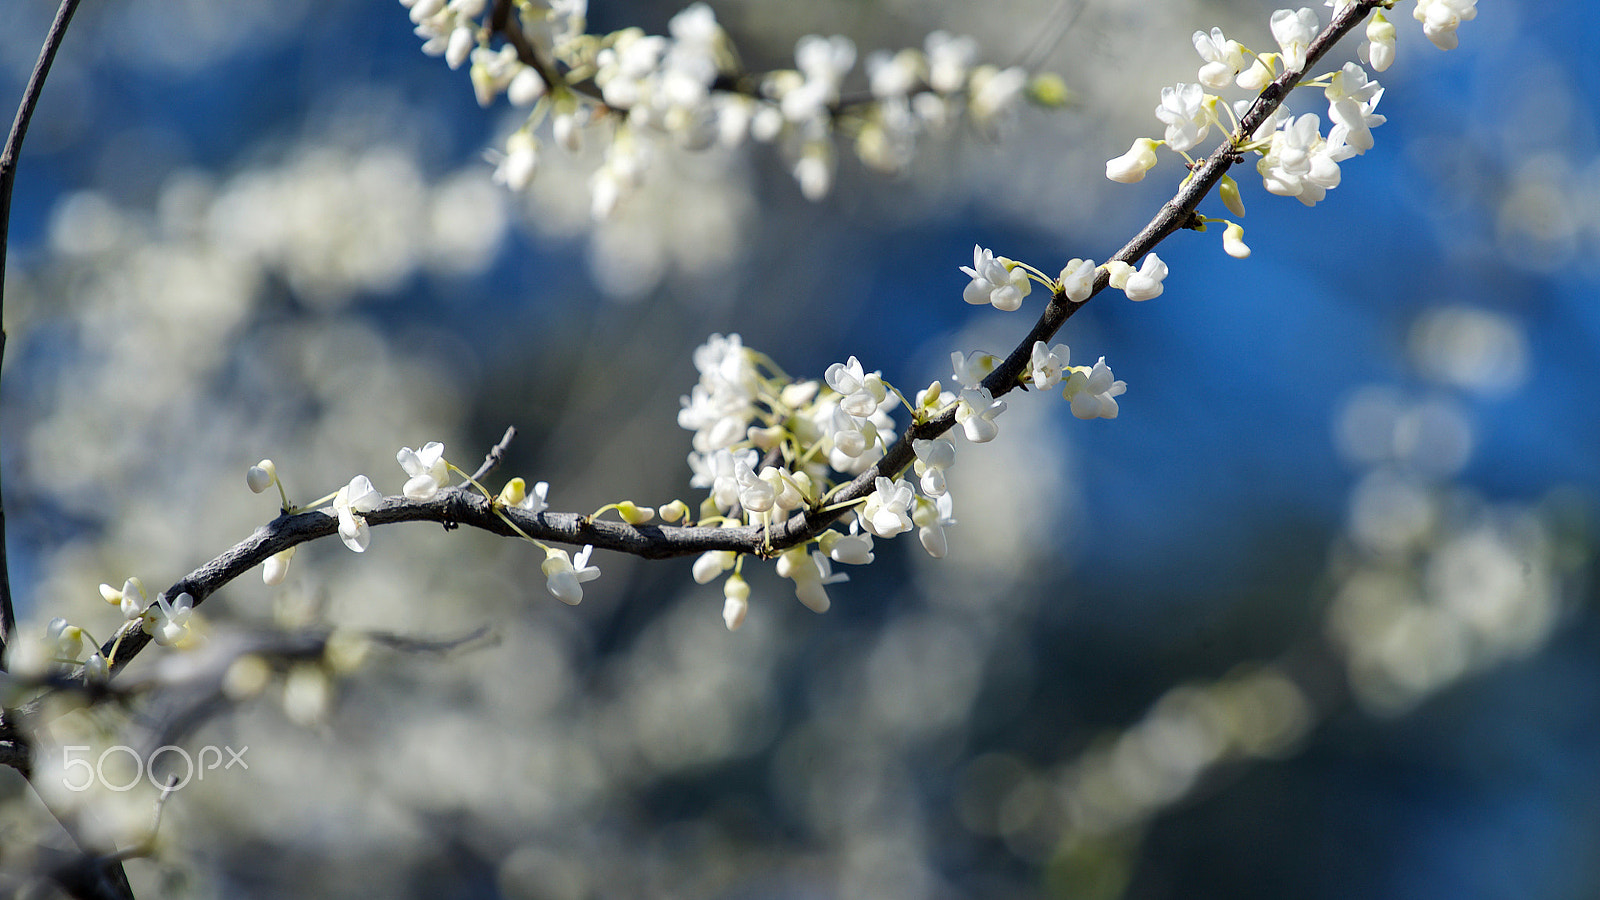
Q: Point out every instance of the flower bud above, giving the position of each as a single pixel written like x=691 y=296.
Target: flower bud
x=1131 y=166
x=1228 y=190
x=736 y=596
x=634 y=514
x=261 y=476
x=1233 y=241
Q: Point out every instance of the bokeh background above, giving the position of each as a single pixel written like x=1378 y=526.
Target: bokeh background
x=1312 y=617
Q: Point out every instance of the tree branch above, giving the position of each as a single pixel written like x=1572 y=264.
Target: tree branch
x=462 y=506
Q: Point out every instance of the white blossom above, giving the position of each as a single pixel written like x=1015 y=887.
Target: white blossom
x=970 y=369
x=811 y=575
x=860 y=392
x=854 y=549
x=893 y=75
x=994 y=92
x=66 y=639
x=887 y=511
x=949 y=59
x=515 y=494
x=526 y=87
x=932 y=517
x=933 y=457
x=1186 y=110
x=976 y=412
x=1077 y=279
x=1143 y=283
x=722 y=471
x=1352 y=97
x=424 y=9
x=516 y=166
x=995 y=280
x=492 y=72
x=690 y=66
x=813 y=171
x=96 y=669
x=734 y=115
x=627 y=159
x=428 y=470
x=851 y=442
x=1264 y=131
x=1255 y=77
x=711 y=564
x=565 y=577
x=719 y=409
x=1047 y=366
x=1440 y=18
x=823 y=63
x=849 y=433
x=131 y=600
x=787 y=492
x=461 y=42
x=755 y=495
x=1093 y=391
x=626 y=68
x=1300 y=163
x=167 y=622
x=1224 y=58
x=276 y=568
x=1294 y=31
x=357 y=497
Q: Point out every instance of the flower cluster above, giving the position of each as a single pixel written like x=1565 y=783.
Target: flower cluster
x=686 y=86
x=1297 y=159
x=721 y=406
x=766 y=445
x=168 y=622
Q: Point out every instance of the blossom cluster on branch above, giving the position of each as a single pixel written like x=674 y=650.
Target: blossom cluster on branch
x=632 y=89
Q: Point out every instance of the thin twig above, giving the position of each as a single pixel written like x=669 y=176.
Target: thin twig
x=495 y=456
x=8 y=180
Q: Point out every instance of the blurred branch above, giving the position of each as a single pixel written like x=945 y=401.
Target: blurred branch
x=147 y=847
x=8 y=180
x=202 y=672
x=80 y=875
x=89 y=877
